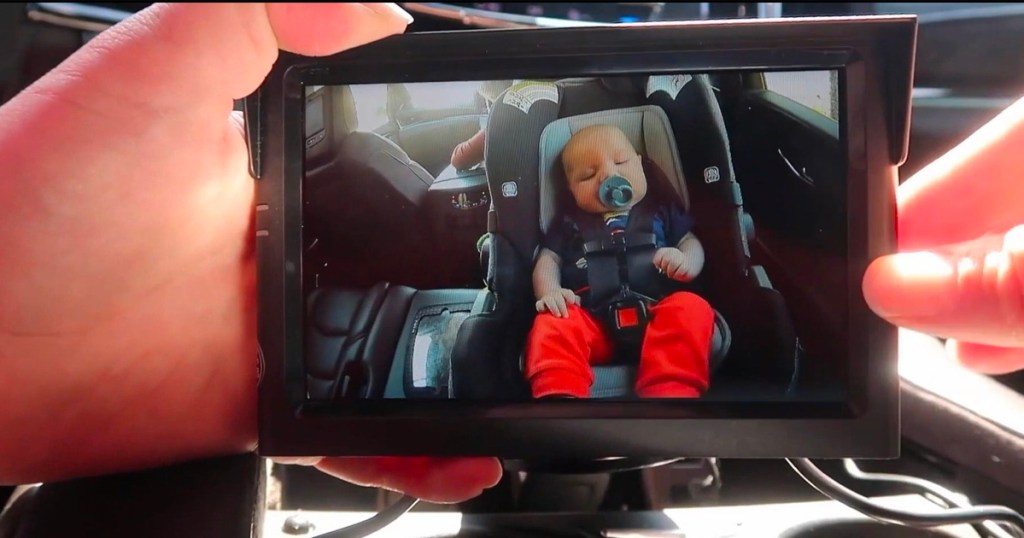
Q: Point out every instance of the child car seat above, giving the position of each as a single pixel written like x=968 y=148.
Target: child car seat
x=763 y=347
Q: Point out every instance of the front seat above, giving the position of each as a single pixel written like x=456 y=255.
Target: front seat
x=361 y=190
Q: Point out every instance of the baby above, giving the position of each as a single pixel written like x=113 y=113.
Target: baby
x=608 y=180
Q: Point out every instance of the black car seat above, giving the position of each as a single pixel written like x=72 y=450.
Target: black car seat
x=765 y=345
x=763 y=349
x=389 y=341
x=361 y=191
x=647 y=128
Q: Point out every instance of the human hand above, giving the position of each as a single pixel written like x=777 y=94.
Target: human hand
x=127 y=276
x=674 y=264
x=960 y=272
x=557 y=302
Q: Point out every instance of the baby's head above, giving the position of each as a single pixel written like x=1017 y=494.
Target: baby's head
x=603 y=170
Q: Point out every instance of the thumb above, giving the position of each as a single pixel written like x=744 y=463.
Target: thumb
x=971 y=292
x=197 y=58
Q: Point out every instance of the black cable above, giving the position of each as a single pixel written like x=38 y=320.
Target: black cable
x=384 y=518
x=948 y=498
x=951 y=516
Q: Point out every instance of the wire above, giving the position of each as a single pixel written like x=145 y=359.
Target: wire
x=611 y=465
x=948 y=498
x=383 y=518
x=951 y=516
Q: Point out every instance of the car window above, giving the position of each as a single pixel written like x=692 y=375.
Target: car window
x=440 y=95
x=371 y=105
x=817 y=90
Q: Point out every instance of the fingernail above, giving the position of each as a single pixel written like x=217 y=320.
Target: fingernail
x=1013 y=247
x=921 y=264
x=1014 y=241
x=911 y=284
x=298 y=460
x=391 y=11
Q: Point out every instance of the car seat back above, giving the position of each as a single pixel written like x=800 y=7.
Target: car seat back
x=705 y=155
x=764 y=338
x=355 y=163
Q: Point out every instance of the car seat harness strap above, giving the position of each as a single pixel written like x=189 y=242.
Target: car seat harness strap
x=617 y=261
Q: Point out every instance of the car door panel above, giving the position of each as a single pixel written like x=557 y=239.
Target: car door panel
x=789 y=162
x=790 y=166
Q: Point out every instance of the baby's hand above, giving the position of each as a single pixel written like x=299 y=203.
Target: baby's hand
x=674 y=264
x=557 y=302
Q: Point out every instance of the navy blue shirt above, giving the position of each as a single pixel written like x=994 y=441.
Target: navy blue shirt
x=670 y=224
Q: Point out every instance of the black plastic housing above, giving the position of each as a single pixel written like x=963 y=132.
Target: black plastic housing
x=875 y=59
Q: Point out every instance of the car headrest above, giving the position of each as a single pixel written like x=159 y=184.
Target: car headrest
x=647 y=128
x=620 y=85
x=344 y=106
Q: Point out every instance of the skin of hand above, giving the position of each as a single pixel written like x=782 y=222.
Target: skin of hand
x=682 y=262
x=547 y=285
x=959 y=272
x=127 y=275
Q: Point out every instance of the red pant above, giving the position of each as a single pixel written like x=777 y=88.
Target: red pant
x=673 y=356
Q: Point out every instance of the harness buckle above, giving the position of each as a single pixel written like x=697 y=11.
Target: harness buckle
x=628 y=316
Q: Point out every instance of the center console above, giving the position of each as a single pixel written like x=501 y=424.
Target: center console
x=458 y=202
x=421 y=368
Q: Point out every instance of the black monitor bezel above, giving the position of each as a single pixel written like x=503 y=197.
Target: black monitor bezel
x=875 y=59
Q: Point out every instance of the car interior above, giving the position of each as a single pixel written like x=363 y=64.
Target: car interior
x=358 y=297
x=757 y=157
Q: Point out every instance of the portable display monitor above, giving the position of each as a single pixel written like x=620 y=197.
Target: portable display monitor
x=620 y=241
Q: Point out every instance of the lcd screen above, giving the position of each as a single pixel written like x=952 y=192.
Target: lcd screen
x=672 y=236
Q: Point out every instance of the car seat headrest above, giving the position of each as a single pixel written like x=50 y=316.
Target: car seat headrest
x=616 y=85
x=345 y=110
x=624 y=84
x=647 y=128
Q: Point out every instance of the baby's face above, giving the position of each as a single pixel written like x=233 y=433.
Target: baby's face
x=595 y=154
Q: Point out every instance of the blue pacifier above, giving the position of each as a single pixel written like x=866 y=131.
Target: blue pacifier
x=615 y=192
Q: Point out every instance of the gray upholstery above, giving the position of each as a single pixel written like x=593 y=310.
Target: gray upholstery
x=647 y=128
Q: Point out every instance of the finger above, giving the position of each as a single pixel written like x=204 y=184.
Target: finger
x=972 y=292
x=190 y=55
x=678 y=264
x=989 y=360
x=552 y=306
x=168 y=70
x=312 y=29
x=540 y=305
x=659 y=258
x=973 y=190
x=563 y=310
x=429 y=479
x=304 y=461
